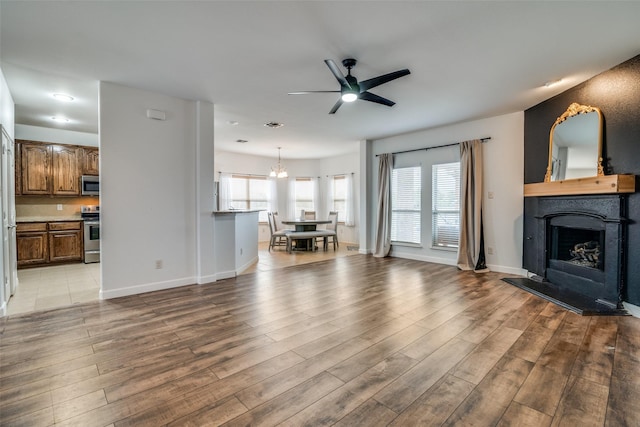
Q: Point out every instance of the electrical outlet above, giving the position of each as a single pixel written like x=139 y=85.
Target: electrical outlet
x=158 y=264
x=490 y=250
x=59 y=207
x=491 y=195
x=240 y=251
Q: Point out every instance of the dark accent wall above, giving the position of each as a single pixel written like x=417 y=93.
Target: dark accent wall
x=617 y=93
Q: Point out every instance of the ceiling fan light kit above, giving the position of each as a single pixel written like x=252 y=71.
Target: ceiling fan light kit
x=349 y=96
x=351 y=90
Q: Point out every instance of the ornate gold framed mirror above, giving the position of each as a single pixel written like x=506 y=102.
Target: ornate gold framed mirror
x=575 y=144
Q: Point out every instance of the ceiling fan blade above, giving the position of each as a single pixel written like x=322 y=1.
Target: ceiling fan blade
x=306 y=92
x=335 y=107
x=368 y=96
x=337 y=73
x=377 y=81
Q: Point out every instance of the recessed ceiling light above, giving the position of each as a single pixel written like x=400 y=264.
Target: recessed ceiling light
x=552 y=83
x=60 y=119
x=63 y=97
x=274 y=125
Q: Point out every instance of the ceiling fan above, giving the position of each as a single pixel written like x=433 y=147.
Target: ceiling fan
x=350 y=89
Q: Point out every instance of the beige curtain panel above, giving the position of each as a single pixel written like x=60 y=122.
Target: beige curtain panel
x=383 y=224
x=471 y=245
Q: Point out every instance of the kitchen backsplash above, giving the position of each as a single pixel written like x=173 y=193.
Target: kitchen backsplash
x=30 y=206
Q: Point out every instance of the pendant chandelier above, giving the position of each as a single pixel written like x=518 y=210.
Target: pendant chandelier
x=279 y=171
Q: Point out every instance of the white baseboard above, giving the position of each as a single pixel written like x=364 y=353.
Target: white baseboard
x=145 y=287
x=206 y=279
x=633 y=310
x=448 y=261
x=3 y=309
x=508 y=270
x=435 y=260
x=247 y=265
x=226 y=274
x=365 y=251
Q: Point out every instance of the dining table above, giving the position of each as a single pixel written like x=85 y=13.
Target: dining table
x=306 y=224
x=302 y=226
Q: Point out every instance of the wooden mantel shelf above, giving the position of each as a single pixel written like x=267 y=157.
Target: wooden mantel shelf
x=607 y=184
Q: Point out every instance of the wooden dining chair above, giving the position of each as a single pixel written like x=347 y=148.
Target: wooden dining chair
x=331 y=232
x=278 y=237
x=277 y=224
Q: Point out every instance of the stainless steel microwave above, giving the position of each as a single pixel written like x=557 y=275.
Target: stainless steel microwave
x=90 y=185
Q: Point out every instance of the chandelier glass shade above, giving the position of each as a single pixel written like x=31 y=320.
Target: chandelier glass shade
x=278 y=171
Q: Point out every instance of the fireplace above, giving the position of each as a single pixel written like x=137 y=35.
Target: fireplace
x=576 y=248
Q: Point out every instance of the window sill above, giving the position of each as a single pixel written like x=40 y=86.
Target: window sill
x=407 y=244
x=444 y=248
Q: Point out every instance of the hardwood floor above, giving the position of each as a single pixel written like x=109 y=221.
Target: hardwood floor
x=351 y=341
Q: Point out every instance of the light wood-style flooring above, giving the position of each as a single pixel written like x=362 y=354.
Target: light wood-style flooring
x=44 y=288
x=351 y=341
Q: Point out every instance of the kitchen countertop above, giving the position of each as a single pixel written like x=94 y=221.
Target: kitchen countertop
x=236 y=211
x=48 y=218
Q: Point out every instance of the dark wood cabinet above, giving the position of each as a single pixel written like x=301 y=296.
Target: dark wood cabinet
x=65 y=172
x=18 y=168
x=65 y=241
x=90 y=161
x=32 y=243
x=35 y=170
x=44 y=169
x=41 y=243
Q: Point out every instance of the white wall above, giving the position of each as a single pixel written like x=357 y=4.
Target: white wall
x=148 y=191
x=205 y=228
x=503 y=176
x=7 y=120
x=242 y=163
x=342 y=165
x=58 y=136
x=7 y=110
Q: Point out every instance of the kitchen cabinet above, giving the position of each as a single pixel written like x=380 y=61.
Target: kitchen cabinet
x=46 y=169
x=18 y=167
x=35 y=170
x=65 y=241
x=32 y=243
x=65 y=173
x=41 y=243
x=90 y=161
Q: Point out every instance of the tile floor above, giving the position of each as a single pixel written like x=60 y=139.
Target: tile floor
x=43 y=288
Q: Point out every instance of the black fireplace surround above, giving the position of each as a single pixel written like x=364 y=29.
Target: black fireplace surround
x=576 y=245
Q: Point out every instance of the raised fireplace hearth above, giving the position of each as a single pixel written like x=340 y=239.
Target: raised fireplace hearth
x=576 y=248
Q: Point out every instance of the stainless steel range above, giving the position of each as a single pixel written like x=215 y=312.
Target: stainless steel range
x=91 y=217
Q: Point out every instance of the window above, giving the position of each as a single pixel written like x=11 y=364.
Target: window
x=250 y=192
x=446 y=205
x=304 y=190
x=339 y=194
x=406 y=188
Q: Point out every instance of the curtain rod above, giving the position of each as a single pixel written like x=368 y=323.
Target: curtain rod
x=243 y=174
x=436 y=146
x=341 y=174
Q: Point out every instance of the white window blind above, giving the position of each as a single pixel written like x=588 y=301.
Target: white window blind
x=446 y=205
x=406 y=188
x=304 y=191
x=340 y=197
x=250 y=192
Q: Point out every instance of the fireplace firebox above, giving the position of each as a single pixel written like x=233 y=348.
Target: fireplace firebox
x=577 y=249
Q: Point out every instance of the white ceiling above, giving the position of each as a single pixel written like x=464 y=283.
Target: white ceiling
x=468 y=60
